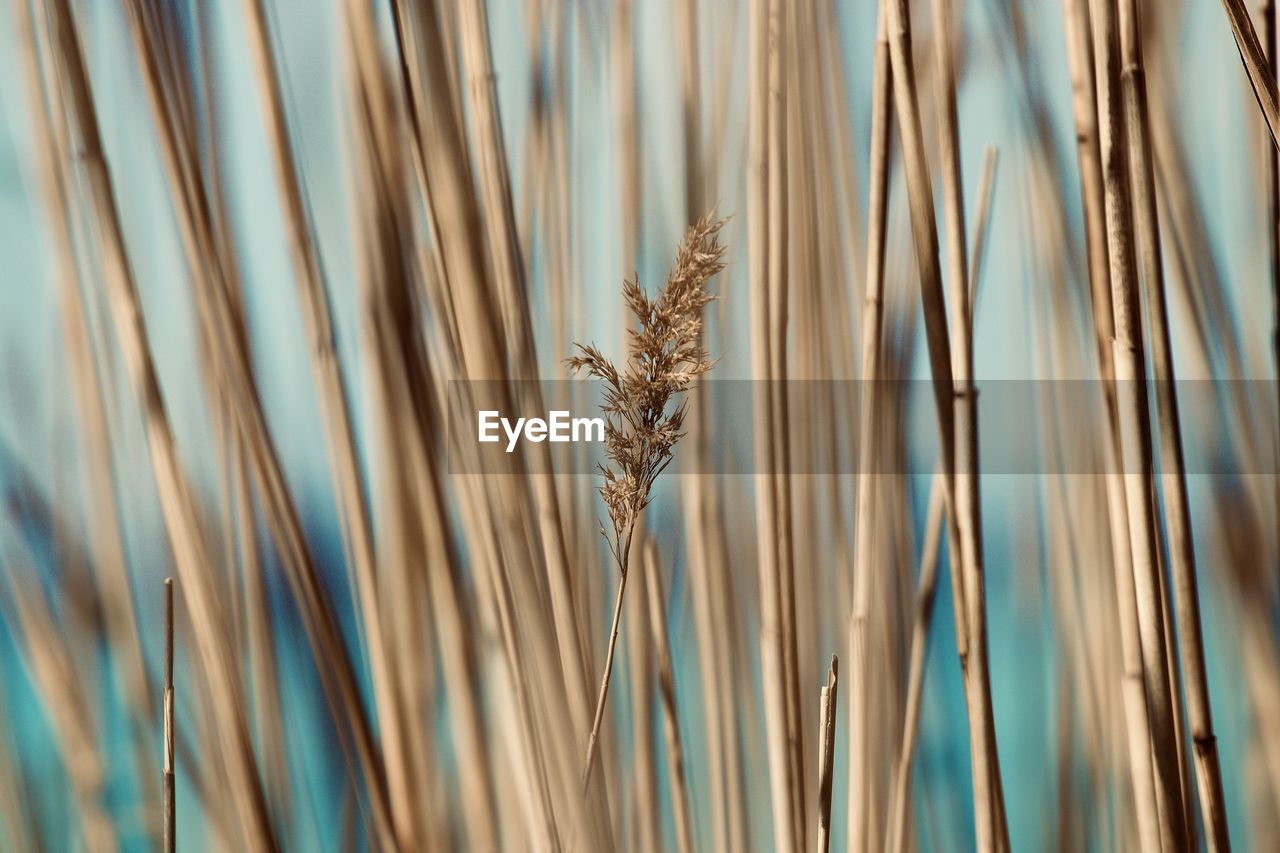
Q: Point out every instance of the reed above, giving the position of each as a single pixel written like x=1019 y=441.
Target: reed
x=826 y=753
x=643 y=407
x=414 y=204
x=678 y=778
x=170 y=796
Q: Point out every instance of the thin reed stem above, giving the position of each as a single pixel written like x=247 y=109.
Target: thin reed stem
x=1084 y=103
x=676 y=774
x=170 y=795
x=990 y=828
x=762 y=248
x=173 y=486
x=865 y=508
x=926 y=587
x=1174 y=493
x=1261 y=74
x=1272 y=46
x=602 y=694
x=828 y=703
x=986 y=195
x=1134 y=420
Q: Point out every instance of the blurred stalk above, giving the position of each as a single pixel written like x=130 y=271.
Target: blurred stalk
x=1134 y=421
x=678 y=783
x=1254 y=57
x=865 y=515
x=1174 y=493
x=105 y=522
x=190 y=550
x=764 y=235
x=991 y=831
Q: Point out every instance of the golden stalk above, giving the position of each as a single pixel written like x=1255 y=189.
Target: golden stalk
x=1134 y=421
x=170 y=797
x=827 y=753
x=652 y=580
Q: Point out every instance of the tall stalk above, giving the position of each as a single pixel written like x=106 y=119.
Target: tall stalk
x=926 y=588
x=644 y=419
x=869 y=372
x=676 y=774
x=1084 y=103
x=990 y=829
x=187 y=540
x=1272 y=48
x=1177 y=508
x=926 y=584
x=1134 y=421
x=763 y=248
x=1256 y=65
x=170 y=795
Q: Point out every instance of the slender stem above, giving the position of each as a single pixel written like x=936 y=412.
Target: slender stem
x=989 y=824
x=762 y=246
x=925 y=596
x=623 y=555
x=968 y=513
x=1272 y=47
x=170 y=806
x=782 y=103
x=1085 y=107
x=177 y=503
x=865 y=516
x=1134 y=419
x=827 y=753
x=952 y=182
x=986 y=190
x=1177 y=508
x=652 y=580
x=1255 y=64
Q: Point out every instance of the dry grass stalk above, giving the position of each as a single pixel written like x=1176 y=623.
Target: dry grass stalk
x=1177 y=508
x=1138 y=734
x=503 y=243
x=264 y=669
x=441 y=284
x=827 y=752
x=187 y=540
x=699 y=496
x=952 y=183
x=762 y=44
x=926 y=584
x=223 y=325
x=1135 y=442
x=66 y=699
x=170 y=800
x=1080 y=60
x=665 y=356
x=677 y=778
x=16 y=813
x=646 y=830
x=781 y=78
x=1254 y=56
x=1095 y=93
x=967 y=498
x=318 y=322
x=990 y=828
x=498 y=518
x=926 y=587
x=111 y=573
x=986 y=194
x=870 y=371
x=1272 y=47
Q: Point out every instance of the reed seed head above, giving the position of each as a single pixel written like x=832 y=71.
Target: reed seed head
x=664 y=356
